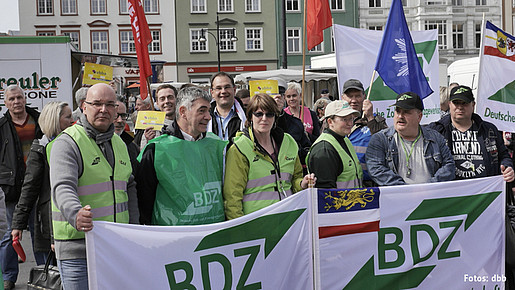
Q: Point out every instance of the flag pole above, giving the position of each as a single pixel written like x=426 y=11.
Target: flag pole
x=304 y=41
x=481 y=53
x=149 y=94
x=371 y=82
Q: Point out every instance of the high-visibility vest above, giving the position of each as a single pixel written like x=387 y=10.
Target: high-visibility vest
x=267 y=184
x=360 y=138
x=101 y=186
x=352 y=174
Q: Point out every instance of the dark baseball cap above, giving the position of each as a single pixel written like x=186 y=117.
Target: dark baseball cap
x=353 y=84
x=463 y=93
x=325 y=91
x=408 y=101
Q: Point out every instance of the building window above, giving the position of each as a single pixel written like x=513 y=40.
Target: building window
x=225 y=40
x=150 y=6
x=225 y=6
x=45 y=33
x=477 y=34
x=337 y=4
x=98 y=6
x=155 y=45
x=442 y=28
x=481 y=2
x=127 y=44
x=437 y=2
x=404 y=3
x=292 y=5
x=253 y=39
x=374 y=3
x=318 y=48
x=457 y=36
x=375 y=27
x=45 y=7
x=74 y=37
x=457 y=2
x=252 y=5
x=69 y=7
x=99 y=42
x=195 y=44
x=198 y=6
x=294 y=43
x=123 y=7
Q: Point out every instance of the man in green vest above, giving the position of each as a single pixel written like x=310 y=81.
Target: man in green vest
x=332 y=157
x=91 y=179
x=180 y=173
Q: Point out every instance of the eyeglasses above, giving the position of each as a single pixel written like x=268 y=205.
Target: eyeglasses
x=124 y=116
x=218 y=89
x=98 y=105
x=260 y=114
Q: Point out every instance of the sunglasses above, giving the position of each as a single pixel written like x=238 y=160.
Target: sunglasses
x=260 y=114
x=124 y=116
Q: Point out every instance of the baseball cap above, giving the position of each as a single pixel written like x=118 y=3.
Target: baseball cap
x=353 y=84
x=339 y=108
x=408 y=101
x=324 y=91
x=463 y=93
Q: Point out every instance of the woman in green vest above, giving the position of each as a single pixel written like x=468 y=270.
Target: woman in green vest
x=262 y=165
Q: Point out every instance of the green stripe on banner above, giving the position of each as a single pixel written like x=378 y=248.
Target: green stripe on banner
x=366 y=279
x=270 y=227
x=472 y=205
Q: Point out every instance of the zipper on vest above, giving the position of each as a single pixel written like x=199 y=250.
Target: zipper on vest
x=114 y=197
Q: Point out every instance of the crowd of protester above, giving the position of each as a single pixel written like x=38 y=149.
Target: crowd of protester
x=221 y=154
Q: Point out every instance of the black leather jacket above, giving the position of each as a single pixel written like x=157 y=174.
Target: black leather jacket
x=12 y=167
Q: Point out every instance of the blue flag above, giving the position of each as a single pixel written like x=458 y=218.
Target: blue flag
x=397 y=61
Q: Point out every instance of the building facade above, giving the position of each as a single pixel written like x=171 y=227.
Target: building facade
x=458 y=22
x=344 y=12
x=103 y=27
x=244 y=38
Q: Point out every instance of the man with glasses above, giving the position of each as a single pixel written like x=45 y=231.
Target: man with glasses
x=227 y=115
x=408 y=153
x=90 y=179
x=332 y=158
x=165 y=99
x=119 y=128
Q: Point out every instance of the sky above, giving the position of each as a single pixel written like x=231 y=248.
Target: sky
x=9 y=16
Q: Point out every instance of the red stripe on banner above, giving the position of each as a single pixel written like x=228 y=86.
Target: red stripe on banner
x=332 y=231
x=493 y=51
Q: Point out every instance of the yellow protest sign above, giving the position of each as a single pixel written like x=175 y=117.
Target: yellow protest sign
x=154 y=119
x=97 y=73
x=270 y=87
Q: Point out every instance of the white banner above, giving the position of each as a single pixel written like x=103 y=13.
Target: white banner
x=496 y=88
x=447 y=235
x=268 y=249
x=356 y=54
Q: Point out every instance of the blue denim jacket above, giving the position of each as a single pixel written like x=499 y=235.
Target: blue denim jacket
x=383 y=157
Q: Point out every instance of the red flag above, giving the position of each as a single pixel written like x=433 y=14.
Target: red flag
x=318 y=18
x=142 y=38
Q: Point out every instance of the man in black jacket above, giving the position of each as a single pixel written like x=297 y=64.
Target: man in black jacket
x=476 y=145
x=227 y=115
x=18 y=128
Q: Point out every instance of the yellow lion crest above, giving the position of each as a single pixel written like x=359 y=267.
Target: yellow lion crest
x=349 y=198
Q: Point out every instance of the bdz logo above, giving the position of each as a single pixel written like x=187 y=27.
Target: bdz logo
x=255 y=159
x=96 y=161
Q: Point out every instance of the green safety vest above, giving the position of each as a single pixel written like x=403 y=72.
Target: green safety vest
x=190 y=175
x=102 y=187
x=265 y=185
x=352 y=174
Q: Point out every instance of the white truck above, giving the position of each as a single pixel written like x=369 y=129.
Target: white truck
x=464 y=72
x=41 y=66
